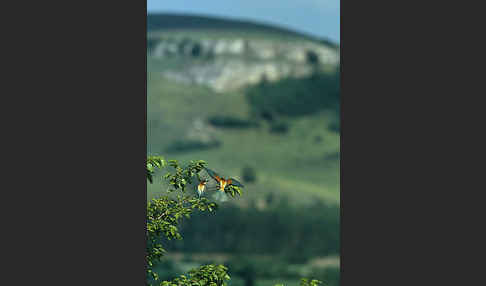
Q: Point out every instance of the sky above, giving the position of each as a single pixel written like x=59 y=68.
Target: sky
x=316 y=17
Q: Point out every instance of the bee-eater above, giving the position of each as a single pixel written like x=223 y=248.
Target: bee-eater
x=222 y=181
x=201 y=187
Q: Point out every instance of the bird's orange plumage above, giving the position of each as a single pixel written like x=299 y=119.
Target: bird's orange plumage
x=222 y=184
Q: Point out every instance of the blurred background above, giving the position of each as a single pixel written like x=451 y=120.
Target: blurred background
x=252 y=88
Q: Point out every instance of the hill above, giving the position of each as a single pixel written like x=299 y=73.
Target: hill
x=296 y=150
x=164 y=21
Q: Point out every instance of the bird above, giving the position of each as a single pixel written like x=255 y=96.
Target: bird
x=201 y=187
x=223 y=182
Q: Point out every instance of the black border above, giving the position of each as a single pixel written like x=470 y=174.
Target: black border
x=80 y=210
x=396 y=77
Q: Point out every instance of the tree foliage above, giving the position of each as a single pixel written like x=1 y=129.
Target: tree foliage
x=293 y=97
x=166 y=212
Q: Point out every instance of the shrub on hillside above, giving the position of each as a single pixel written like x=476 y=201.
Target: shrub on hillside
x=231 y=122
x=267 y=115
x=279 y=127
x=196 y=50
x=312 y=57
x=191 y=145
x=335 y=126
x=248 y=174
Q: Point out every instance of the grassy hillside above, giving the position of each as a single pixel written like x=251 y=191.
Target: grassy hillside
x=304 y=162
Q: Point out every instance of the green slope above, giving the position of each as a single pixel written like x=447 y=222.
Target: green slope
x=164 y=21
x=303 y=163
x=293 y=163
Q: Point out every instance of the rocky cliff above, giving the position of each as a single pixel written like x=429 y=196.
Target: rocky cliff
x=230 y=63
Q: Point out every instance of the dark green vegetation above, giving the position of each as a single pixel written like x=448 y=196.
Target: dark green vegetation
x=280 y=139
x=157 y=22
x=249 y=174
x=231 y=122
x=296 y=97
x=189 y=145
x=282 y=230
x=279 y=127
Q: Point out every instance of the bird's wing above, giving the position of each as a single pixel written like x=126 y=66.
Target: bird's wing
x=213 y=174
x=235 y=182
